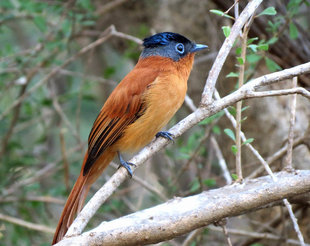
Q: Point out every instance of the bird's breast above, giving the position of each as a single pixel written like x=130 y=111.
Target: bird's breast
x=162 y=100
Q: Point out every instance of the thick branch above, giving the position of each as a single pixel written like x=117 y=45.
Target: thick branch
x=182 y=215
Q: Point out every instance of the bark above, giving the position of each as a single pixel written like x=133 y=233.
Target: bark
x=182 y=215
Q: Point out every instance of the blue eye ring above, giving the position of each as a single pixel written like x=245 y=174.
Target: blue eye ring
x=179 y=48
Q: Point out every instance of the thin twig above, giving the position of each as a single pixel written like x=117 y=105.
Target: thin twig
x=294 y=220
x=244 y=39
x=109 y=6
x=47 y=199
x=192 y=157
x=88 y=77
x=299 y=90
x=265 y=235
x=276 y=156
x=225 y=231
x=222 y=161
x=191 y=237
x=62 y=114
x=190 y=103
x=29 y=225
x=290 y=141
x=17 y=109
x=39 y=174
x=144 y=184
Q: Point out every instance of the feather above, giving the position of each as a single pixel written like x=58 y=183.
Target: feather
x=123 y=107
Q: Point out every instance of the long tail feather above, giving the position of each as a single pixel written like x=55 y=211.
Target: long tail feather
x=78 y=194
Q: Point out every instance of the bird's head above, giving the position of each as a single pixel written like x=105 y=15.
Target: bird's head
x=170 y=45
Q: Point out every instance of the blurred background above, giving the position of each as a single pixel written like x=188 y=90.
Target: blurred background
x=50 y=96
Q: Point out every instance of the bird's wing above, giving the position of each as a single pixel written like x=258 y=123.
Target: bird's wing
x=123 y=107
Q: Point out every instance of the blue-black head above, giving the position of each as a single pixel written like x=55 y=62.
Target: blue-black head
x=170 y=45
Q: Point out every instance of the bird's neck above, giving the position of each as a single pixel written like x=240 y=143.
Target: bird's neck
x=182 y=67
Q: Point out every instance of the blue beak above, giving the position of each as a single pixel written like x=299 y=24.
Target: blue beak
x=198 y=47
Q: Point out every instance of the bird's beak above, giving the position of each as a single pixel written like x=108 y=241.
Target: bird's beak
x=198 y=47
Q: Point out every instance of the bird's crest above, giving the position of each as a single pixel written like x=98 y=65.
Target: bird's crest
x=164 y=38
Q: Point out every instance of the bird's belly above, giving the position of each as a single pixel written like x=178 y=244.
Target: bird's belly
x=162 y=102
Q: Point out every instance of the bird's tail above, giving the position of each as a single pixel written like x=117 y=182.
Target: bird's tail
x=78 y=195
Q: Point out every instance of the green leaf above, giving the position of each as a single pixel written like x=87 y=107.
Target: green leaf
x=268 y=11
x=86 y=4
x=272 y=40
x=232 y=75
x=216 y=130
x=195 y=185
x=209 y=182
x=253 y=47
x=234 y=149
x=251 y=40
x=293 y=31
x=221 y=13
x=240 y=60
x=249 y=140
x=234 y=176
x=7 y=5
x=109 y=71
x=230 y=134
x=46 y=102
x=211 y=118
x=226 y=30
x=244 y=108
x=253 y=58
x=273 y=26
x=238 y=51
x=232 y=110
x=88 y=23
x=263 y=46
x=243 y=119
x=271 y=65
x=40 y=22
x=66 y=27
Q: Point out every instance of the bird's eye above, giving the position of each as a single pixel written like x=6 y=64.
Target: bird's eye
x=179 y=48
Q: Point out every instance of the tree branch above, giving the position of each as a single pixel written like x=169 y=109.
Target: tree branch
x=182 y=215
x=29 y=225
x=225 y=49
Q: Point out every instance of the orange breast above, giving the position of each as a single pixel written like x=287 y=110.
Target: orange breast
x=163 y=98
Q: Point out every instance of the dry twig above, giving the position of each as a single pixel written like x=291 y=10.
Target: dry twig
x=29 y=225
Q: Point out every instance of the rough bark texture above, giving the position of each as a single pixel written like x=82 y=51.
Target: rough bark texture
x=182 y=215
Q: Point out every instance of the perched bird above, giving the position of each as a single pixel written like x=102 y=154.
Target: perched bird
x=140 y=106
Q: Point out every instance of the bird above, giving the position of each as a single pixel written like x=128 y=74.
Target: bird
x=134 y=113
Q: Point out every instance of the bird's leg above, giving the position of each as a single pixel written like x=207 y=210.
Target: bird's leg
x=125 y=164
x=167 y=135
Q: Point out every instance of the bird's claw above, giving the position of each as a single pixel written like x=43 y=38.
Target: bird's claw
x=126 y=165
x=166 y=135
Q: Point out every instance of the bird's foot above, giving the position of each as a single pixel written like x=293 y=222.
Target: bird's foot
x=125 y=164
x=166 y=135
